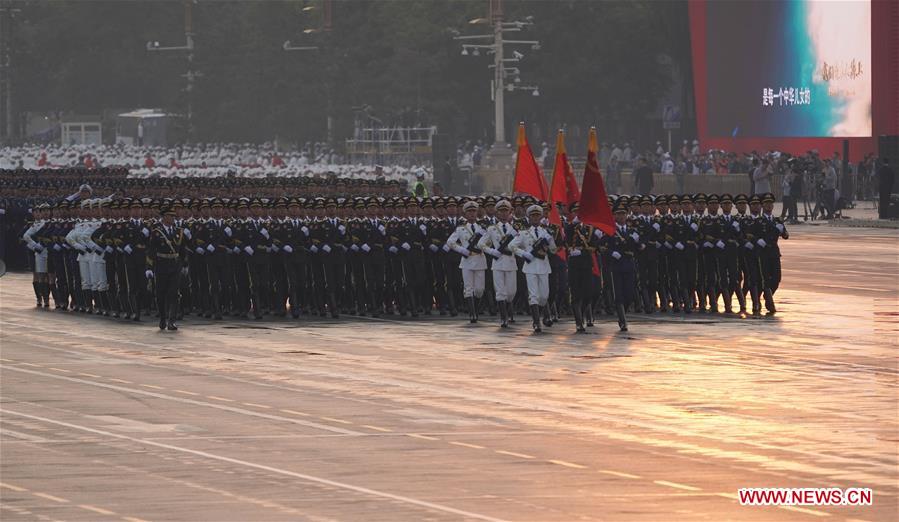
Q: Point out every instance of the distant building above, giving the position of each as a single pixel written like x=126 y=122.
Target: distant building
x=150 y=127
x=81 y=130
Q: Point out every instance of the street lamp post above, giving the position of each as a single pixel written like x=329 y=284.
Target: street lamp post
x=191 y=75
x=499 y=154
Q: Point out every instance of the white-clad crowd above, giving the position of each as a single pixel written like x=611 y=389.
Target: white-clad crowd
x=203 y=160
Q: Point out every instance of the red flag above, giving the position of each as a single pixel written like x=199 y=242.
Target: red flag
x=564 y=185
x=594 y=201
x=528 y=176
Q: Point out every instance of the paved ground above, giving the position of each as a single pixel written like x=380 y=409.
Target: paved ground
x=438 y=420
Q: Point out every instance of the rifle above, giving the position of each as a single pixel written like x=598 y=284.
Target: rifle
x=539 y=248
x=473 y=243
x=504 y=244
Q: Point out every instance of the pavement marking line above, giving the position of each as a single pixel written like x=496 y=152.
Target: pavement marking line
x=185 y=392
x=232 y=409
x=58 y=369
x=152 y=386
x=618 y=474
x=29 y=364
x=466 y=445
x=332 y=419
x=731 y=496
x=676 y=485
x=120 y=380
x=49 y=497
x=253 y=404
x=133 y=519
x=419 y=436
x=90 y=375
x=567 y=464
x=806 y=511
x=376 y=428
x=302 y=476
x=23 y=436
x=215 y=398
x=10 y=486
x=513 y=454
x=292 y=412
x=95 y=509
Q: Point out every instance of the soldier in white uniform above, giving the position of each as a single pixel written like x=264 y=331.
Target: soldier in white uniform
x=533 y=244
x=41 y=280
x=505 y=269
x=464 y=240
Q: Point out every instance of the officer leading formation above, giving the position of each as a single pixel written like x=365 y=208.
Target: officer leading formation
x=241 y=257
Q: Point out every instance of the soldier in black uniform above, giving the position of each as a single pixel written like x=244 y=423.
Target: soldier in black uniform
x=712 y=247
x=622 y=247
x=581 y=241
x=649 y=228
x=770 y=229
x=730 y=279
x=331 y=234
x=165 y=248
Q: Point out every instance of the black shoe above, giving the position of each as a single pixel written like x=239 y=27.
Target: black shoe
x=171 y=327
x=162 y=324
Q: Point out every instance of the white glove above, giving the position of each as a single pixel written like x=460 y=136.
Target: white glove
x=199 y=250
x=248 y=249
x=342 y=229
x=392 y=250
x=748 y=245
x=720 y=244
x=597 y=233
x=366 y=248
x=354 y=248
x=780 y=228
x=382 y=230
x=667 y=244
x=423 y=228
x=736 y=225
x=187 y=233
x=327 y=249
x=145 y=232
x=305 y=230
x=446 y=248
x=761 y=243
x=288 y=249
x=228 y=231
x=57 y=248
x=656 y=227
x=433 y=248
x=616 y=254
x=276 y=248
x=494 y=252
x=264 y=233
x=236 y=250
x=679 y=245
x=465 y=252
x=118 y=249
x=149 y=274
x=707 y=244
x=694 y=226
x=406 y=246
x=529 y=256
x=108 y=249
x=635 y=236
x=184 y=271
x=210 y=248
x=128 y=249
x=313 y=249
x=574 y=252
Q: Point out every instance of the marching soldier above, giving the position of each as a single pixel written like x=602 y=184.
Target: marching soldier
x=731 y=275
x=623 y=246
x=534 y=244
x=769 y=230
x=496 y=243
x=464 y=240
x=164 y=262
x=581 y=240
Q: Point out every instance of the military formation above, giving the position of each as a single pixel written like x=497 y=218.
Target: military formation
x=252 y=257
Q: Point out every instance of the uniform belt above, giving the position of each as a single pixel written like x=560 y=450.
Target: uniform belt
x=167 y=256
